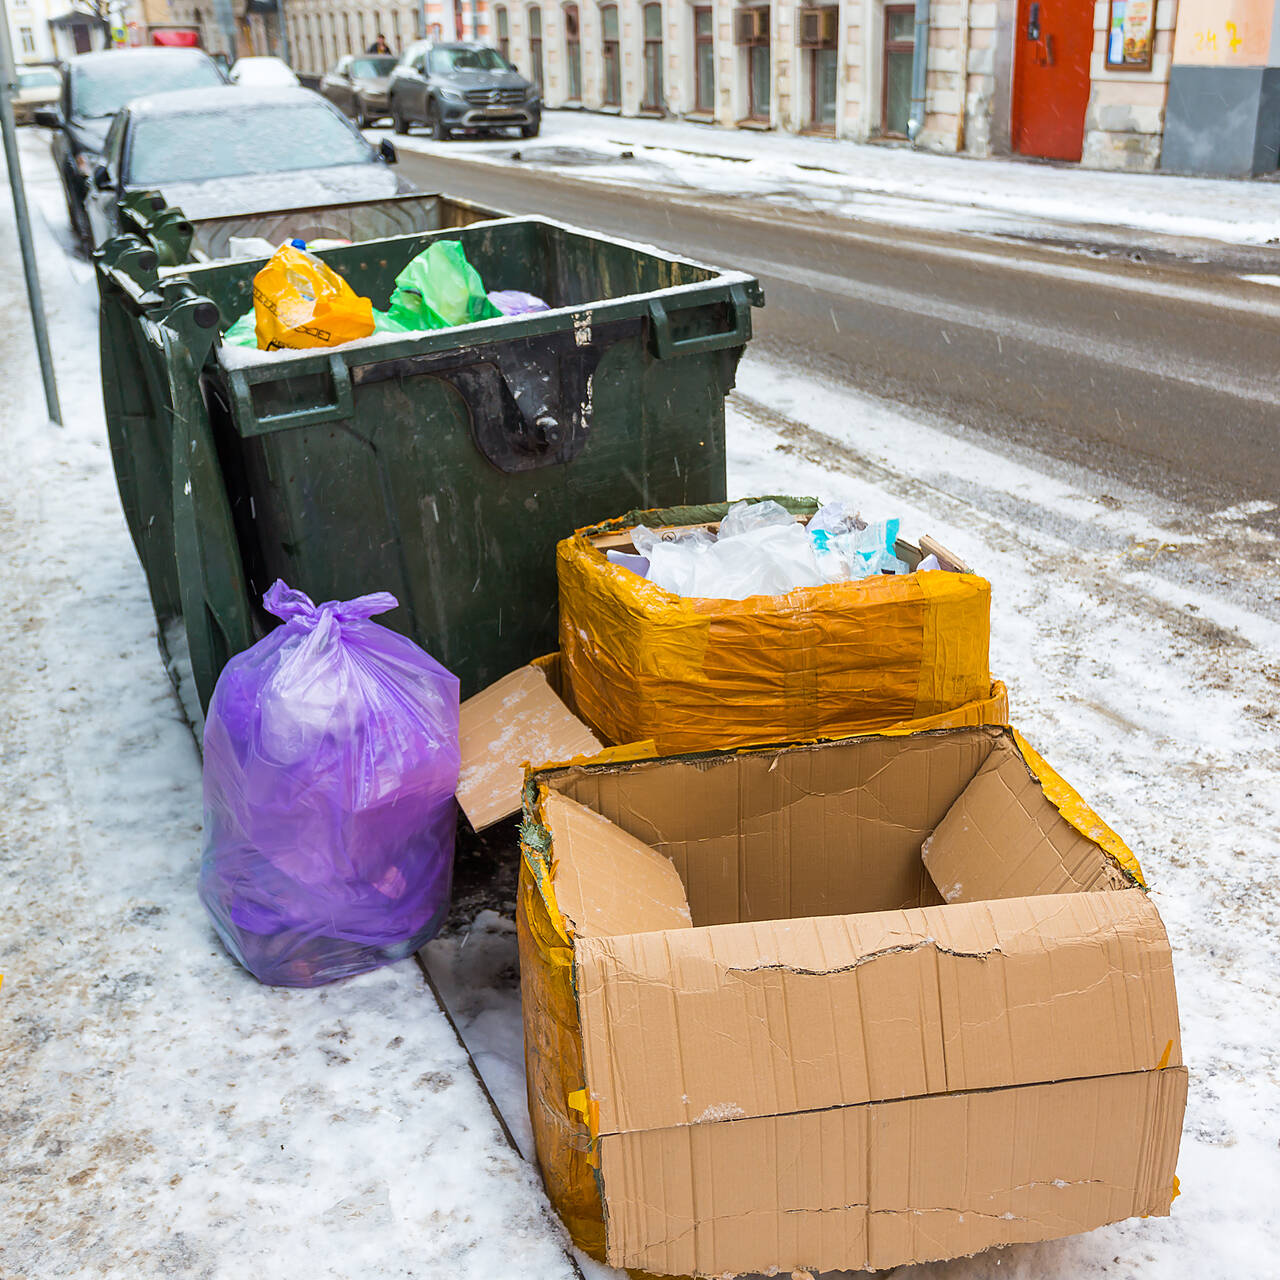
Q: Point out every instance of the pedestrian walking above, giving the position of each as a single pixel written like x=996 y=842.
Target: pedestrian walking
x=380 y=45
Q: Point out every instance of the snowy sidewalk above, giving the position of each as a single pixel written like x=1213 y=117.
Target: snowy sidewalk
x=161 y=1114
x=879 y=182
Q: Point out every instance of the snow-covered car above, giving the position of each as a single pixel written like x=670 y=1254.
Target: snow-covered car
x=357 y=86
x=462 y=88
x=34 y=87
x=95 y=87
x=215 y=152
x=262 y=73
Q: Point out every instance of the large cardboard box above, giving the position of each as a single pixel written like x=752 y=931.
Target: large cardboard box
x=852 y=1005
x=819 y=662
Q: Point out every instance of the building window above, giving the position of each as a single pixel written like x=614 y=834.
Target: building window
x=899 y=53
x=396 y=34
x=27 y=40
x=572 y=53
x=752 y=31
x=612 y=51
x=819 y=38
x=535 y=45
x=504 y=32
x=704 y=59
x=652 y=100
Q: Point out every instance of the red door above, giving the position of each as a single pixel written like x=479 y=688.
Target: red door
x=1052 y=46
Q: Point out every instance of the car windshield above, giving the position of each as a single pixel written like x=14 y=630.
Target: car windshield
x=445 y=60
x=38 y=80
x=228 y=144
x=103 y=88
x=372 y=68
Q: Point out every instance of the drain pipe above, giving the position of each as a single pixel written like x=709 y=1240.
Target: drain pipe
x=919 y=71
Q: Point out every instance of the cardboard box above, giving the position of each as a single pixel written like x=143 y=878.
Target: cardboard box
x=852 y=1005
x=826 y=661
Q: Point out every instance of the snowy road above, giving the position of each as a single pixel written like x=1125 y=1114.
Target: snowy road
x=1044 y=349
x=161 y=1114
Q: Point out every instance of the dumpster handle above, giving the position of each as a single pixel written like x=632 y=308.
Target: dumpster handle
x=665 y=346
x=252 y=423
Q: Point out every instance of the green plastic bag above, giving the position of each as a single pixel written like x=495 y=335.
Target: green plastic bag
x=439 y=289
x=244 y=332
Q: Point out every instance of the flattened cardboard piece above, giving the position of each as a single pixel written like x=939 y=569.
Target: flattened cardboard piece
x=518 y=720
x=800 y=1015
x=827 y=829
x=606 y=881
x=889 y=1183
x=1002 y=838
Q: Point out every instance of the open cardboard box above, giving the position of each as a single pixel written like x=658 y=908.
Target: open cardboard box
x=850 y=1005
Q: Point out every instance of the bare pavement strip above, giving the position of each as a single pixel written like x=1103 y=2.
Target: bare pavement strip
x=161 y=1114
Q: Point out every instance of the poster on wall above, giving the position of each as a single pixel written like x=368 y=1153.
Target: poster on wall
x=1131 y=34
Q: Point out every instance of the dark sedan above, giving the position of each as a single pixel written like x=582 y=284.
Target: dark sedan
x=95 y=86
x=463 y=88
x=357 y=86
x=237 y=151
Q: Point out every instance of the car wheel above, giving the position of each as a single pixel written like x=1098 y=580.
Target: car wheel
x=439 y=130
x=530 y=130
x=398 y=122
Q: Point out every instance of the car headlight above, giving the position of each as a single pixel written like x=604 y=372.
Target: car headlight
x=452 y=95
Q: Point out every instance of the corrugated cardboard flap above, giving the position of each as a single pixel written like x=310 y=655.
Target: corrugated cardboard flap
x=761 y=1019
x=517 y=721
x=607 y=882
x=1002 y=838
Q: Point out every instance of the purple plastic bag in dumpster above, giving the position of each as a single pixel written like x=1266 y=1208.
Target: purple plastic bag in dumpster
x=330 y=762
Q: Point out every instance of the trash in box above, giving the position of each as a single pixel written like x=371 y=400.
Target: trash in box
x=824 y=660
x=851 y=1005
x=439 y=288
x=330 y=761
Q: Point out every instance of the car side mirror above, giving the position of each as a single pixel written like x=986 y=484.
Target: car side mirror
x=49 y=117
x=387 y=150
x=102 y=178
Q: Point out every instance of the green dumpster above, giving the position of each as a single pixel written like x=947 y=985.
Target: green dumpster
x=440 y=466
x=178 y=239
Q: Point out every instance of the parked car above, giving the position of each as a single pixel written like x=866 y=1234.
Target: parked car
x=262 y=72
x=95 y=86
x=357 y=86
x=34 y=87
x=463 y=88
x=218 y=152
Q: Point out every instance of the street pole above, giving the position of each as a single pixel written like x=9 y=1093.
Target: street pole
x=35 y=299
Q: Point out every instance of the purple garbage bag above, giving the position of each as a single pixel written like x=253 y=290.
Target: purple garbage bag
x=330 y=763
x=512 y=302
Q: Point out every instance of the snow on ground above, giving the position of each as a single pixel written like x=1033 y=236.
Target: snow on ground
x=877 y=182
x=161 y=1114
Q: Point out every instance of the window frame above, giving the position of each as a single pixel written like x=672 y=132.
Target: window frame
x=611 y=55
x=699 y=40
x=889 y=45
x=652 y=60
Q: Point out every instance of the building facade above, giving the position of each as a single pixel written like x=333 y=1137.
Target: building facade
x=1091 y=81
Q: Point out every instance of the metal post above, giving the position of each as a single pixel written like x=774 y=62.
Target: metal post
x=475 y=19
x=35 y=299
x=919 y=71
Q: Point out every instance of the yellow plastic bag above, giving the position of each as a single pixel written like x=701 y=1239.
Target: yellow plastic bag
x=299 y=301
